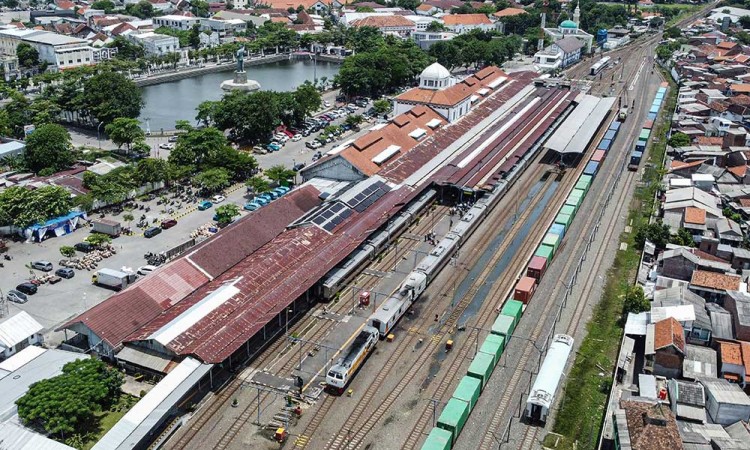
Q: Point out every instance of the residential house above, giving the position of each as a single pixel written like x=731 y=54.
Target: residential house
x=426 y=39
x=700 y=362
x=728 y=231
x=156 y=44
x=721 y=321
x=387 y=24
x=462 y=23
x=713 y=286
x=561 y=54
x=645 y=425
x=732 y=367
x=726 y=402
x=698 y=330
x=665 y=348
x=738 y=306
x=687 y=400
x=18 y=332
x=682 y=262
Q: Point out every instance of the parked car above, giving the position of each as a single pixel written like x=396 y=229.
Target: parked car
x=282 y=189
x=326 y=103
x=168 y=223
x=145 y=270
x=65 y=272
x=172 y=138
x=299 y=166
x=44 y=266
x=151 y=232
x=17 y=297
x=84 y=247
x=204 y=205
x=218 y=198
x=262 y=201
x=166 y=146
x=252 y=206
x=274 y=147
x=297 y=138
x=27 y=288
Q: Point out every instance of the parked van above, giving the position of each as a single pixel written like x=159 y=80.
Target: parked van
x=151 y=232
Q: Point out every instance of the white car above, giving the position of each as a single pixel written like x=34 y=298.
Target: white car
x=326 y=103
x=218 y=198
x=297 y=138
x=145 y=270
x=166 y=146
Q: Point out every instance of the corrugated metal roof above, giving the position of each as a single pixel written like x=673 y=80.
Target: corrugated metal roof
x=16 y=437
x=18 y=328
x=21 y=358
x=138 y=423
x=569 y=128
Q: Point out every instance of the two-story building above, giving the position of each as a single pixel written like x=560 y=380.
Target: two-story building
x=176 y=22
x=60 y=51
x=559 y=55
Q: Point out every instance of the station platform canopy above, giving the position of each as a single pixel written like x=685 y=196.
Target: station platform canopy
x=576 y=132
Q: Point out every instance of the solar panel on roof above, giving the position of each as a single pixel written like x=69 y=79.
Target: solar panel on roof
x=329 y=227
x=346 y=213
x=318 y=220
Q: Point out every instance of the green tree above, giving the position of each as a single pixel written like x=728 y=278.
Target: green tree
x=354 y=120
x=27 y=55
x=22 y=207
x=199 y=8
x=656 y=232
x=48 y=147
x=225 y=213
x=672 y=32
x=258 y=184
x=114 y=187
x=307 y=100
x=279 y=173
x=635 y=300
x=142 y=9
x=67 y=251
x=109 y=95
x=67 y=403
x=152 y=170
x=745 y=21
x=106 y=5
x=435 y=26
x=125 y=131
x=683 y=237
x=127 y=49
x=128 y=218
x=382 y=106
x=98 y=239
x=679 y=140
x=212 y=180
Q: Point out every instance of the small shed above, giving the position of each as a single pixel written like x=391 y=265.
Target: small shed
x=726 y=402
x=18 y=332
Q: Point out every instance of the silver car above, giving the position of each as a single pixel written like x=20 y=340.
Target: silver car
x=17 y=297
x=44 y=266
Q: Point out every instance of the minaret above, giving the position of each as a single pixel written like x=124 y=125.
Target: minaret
x=577 y=14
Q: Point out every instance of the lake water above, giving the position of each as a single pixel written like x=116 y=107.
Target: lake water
x=167 y=102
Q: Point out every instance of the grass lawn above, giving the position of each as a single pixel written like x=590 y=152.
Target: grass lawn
x=105 y=421
x=584 y=401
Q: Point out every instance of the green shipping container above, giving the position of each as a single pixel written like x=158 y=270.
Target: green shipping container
x=468 y=390
x=545 y=251
x=564 y=220
x=553 y=240
x=500 y=340
x=513 y=308
x=569 y=210
x=439 y=439
x=453 y=418
x=574 y=201
x=504 y=326
x=482 y=367
x=583 y=184
x=644 y=134
x=493 y=349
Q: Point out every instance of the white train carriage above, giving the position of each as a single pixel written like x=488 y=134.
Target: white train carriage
x=391 y=310
x=343 y=371
x=434 y=262
x=542 y=394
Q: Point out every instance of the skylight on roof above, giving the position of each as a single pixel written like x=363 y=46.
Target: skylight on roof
x=418 y=134
x=483 y=92
x=386 y=154
x=497 y=82
x=434 y=123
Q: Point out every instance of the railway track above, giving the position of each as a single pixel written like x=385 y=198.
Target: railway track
x=529 y=437
x=274 y=353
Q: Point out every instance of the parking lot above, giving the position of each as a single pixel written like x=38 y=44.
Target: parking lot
x=54 y=304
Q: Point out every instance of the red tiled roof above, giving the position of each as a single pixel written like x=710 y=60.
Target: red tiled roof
x=695 y=215
x=730 y=352
x=455 y=94
x=669 y=332
x=745 y=202
x=466 y=19
x=713 y=280
x=678 y=165
x=709 y=140
x=507 y=12
x=738 y=171
x=383 y=22
x=707 y=256
x=746 y=358
x=744 y=88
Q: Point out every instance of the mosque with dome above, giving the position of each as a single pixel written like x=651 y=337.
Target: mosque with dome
x=571 y=28
x=569 y=43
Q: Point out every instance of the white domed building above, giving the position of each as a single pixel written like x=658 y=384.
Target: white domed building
x=449 y=97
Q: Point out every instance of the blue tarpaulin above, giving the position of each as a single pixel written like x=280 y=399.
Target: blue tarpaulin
x=59 y=226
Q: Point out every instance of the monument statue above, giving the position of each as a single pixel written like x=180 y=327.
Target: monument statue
x=240 y=81
x=241 y=59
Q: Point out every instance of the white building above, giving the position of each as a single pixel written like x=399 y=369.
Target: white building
x=176 y=22
x=426 y=39
x=18 y=332
x=387 y=24
x=156 y=44
x=569 y=28
x=422 y=22
x=61 y=52
x=462 y=23
x=225 y=27
x=559 y=55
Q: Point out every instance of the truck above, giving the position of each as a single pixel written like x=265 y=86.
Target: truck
x=113 y=279
x=623 y=113
x=109 y=227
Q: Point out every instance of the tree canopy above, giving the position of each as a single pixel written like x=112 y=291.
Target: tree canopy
x=109 y=95
x=635 y=300
x=22 y=207
x=225 y=213
x=212 y=180
x=48 y=147
x=679 y=139
x=125 y=131
x=476 y=47
x=66 y=403
x=27 y=55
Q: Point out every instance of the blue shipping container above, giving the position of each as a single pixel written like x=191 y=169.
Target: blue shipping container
x=614 y=126
x=651 y=116
x=591 y=168
x=604 y=145
x=558 y=229
x=610 y=134
x=635 y=158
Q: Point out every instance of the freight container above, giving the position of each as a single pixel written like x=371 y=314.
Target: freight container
x=553 y=240
x=469 y=389
x=598 y=156
x=113 y=279
x=492 y=348
x=545 y=251
x=614 y=126
x=591 y=168
x=536 y=268
x=481 y=368
x=438 y=439
x=504 y=326
x=604 y=145
x=653 y=110
x=500 y=340
x=640 y=146
x=651 y=116
x=558 y=229
x=635 y=160
x=108 y=227
x=524 y=289
x=513 y=308
x=568 y=209
x=610 y=134
x=584 y=183
x=574 y=201
x=564 y=220
x=453 y=418
x=649 y=124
